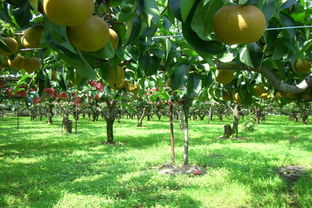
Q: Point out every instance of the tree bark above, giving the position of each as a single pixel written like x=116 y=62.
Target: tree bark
x=227 y=131
x=304 y=115
x=271 y=77
x=67 y=124
x=186 y=136
x=50 y=114
x=172 y=133
x=140 y=120
x=17 y=120
x=257 y=114
x=148 y=116
x=76 y=117
x=235 y=120
x=110 y=132
x=110 y=118
x=210 y=115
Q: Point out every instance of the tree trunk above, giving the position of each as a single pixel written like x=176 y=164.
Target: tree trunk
x=50 y=115
x=109 y=130
x=76 y=117
x=186 y=136
x=67 y=125
x=76 y=126
x=304 y=116
x=235 y=120
x=17 y=120
x=210 y=115
x=257 y=114
x=140 y=120
x=220 y=117
x=181 y=118
x=172 y=133
x=158 y=115
x=227 y=131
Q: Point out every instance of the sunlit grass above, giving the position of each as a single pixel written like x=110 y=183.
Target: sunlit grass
x=41 y=167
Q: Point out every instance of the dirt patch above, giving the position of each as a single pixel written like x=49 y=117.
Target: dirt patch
x=169 y=169
x=291 y=173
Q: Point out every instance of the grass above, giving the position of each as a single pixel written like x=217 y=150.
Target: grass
x=41 y=167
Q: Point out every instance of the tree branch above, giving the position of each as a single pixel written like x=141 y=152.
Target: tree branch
x=271 y=77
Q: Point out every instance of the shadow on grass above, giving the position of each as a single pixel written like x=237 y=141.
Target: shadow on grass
x=79 y=165
x=136 y=191
x=253 y=169
x=42 y=182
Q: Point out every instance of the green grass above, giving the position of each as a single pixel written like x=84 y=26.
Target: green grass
x=41 y=167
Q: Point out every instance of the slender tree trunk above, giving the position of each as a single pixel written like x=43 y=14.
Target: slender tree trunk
x=186 y=136
x=76 y=126
x=50 y=121
x=140 y=120
x=181 y=118
x=257 y=115
x=172 y=133
x=305 y=116
x=235 y=120
x=220 y=117
x=109 y=130
x=17 y=120
x=76 y=117
x=210 y=115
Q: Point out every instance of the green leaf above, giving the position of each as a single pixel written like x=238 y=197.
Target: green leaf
x=84 y=68
x=62 y=81
x=203 y=16
x=269 y=9
x=167 y=47
x=22 y=14
x=179 y=76
x=207 y=79
x=174 y=8
x=106 y=52
x=54 y=33
x=186 y=6
x=288 y=4
x=255 y=53
x=307 y=46
x=4 y=13
x=152 y=12
x=133 y=30
x=202 y=47
x=149 y=64
x=193 y=85
x=77 y=60
x=33 y=4
x=245 y=57
x=287 y=21
x=4 y=46
x=279 y=50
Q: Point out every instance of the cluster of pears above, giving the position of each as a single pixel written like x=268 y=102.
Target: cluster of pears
x=85 y=31
x=29 y=64
x=30 y=39
x=260 y=91
x=116 y=80
x=232 y=96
